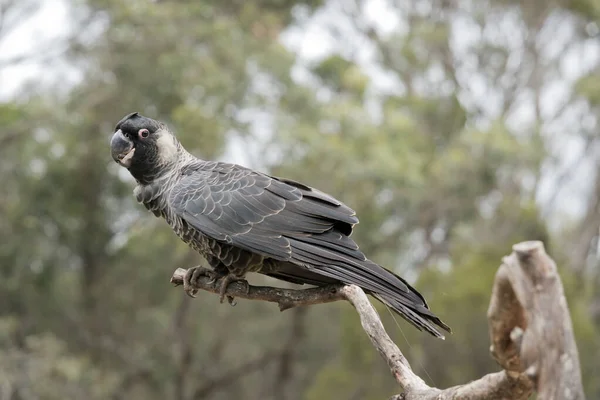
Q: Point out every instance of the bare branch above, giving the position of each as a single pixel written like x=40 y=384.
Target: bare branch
x=528 y=296
x=372 y=325
x=530 y=330
x=285 y=298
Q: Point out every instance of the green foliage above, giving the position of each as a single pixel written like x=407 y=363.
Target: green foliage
x=442 y=187
x=342 y=75
x=589 y=9
x=589 y=87
x=41 y=367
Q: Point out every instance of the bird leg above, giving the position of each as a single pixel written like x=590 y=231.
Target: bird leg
x=226 y=280
x=192 y=275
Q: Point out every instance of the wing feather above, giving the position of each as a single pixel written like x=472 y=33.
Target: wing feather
x=294 y=224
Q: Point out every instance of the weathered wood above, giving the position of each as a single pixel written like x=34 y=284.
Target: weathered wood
x=529 y=323
x=528 y=302
x=285 y=298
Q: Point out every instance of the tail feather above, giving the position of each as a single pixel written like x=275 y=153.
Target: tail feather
x=422 y=321
x=409 y=304
x=335 y=259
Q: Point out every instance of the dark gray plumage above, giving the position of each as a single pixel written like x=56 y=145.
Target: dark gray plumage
x=244 y=221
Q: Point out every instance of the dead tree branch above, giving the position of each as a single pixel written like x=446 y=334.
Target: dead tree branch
x=530 y=325
x=285 y=298
x=529 y=322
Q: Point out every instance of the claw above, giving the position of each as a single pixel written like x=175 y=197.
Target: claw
x=226 y=281
x=191 y=277
x=231 y=301
x=193 y=274
x=187 y=286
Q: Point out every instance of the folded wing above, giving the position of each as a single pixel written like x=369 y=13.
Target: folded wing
x=307 y=230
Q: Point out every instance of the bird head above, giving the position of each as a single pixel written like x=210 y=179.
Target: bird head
x=143 y=146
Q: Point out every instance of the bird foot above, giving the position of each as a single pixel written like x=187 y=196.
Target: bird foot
x=225 y=282
x=192 y=275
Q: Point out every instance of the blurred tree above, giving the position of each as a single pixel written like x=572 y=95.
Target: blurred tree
x=436 y=127
x=448 y=167
x=193 y=62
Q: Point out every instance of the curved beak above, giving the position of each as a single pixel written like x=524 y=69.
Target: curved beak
x=121 y=148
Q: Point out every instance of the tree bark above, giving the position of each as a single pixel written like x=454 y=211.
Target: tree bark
x=529 y=324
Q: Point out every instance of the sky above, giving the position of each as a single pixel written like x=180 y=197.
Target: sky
x=38 y=35
x=312 y=40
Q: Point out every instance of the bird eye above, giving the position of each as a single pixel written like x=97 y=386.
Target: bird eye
x=143 y=133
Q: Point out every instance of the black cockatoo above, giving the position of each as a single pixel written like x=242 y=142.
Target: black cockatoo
x=243 y=221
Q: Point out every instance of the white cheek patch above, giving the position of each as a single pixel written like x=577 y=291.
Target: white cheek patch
x=167 y=148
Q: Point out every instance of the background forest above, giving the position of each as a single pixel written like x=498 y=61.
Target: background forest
x=453 y=128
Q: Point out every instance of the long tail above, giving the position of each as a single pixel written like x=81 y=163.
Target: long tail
x=394 y=292
x=419 y=316
x=377 y=281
